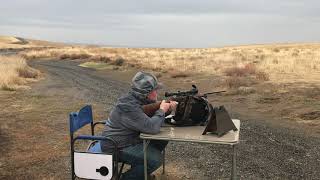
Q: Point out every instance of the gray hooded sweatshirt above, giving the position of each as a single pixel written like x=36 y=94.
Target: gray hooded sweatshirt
x=127 y=120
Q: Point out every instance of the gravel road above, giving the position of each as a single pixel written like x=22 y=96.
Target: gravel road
x=265 y=151
x=92 y=87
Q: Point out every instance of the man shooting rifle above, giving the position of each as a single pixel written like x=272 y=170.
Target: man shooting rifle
x=127 y=120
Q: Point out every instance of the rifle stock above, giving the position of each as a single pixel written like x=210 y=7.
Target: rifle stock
x=150 y=109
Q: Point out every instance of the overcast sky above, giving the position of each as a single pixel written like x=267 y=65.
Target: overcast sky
x=163 y=23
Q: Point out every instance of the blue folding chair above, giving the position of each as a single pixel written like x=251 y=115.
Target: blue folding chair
x=93 y=163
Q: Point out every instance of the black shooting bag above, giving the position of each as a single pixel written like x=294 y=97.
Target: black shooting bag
x=196 y=110
x=191 y=110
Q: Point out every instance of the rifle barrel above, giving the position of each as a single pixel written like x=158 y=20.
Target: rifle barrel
x=215 y=92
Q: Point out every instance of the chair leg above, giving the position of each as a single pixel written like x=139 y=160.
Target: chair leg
x=163 y=161
x=121 y=168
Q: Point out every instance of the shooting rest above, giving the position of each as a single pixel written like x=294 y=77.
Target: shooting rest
x=219 y=121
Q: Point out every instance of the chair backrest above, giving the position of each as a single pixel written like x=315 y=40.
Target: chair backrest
x=93 y=163
x=79 y=119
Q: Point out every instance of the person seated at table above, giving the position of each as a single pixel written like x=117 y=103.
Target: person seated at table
x=127 y=120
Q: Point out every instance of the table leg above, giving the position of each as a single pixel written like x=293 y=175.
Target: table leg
x=163 y=160
x=234 y=163
x=145 y=146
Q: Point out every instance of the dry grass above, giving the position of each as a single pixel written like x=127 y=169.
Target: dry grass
x=236 y=82
x=262 y=76
x=179 y=74
x=61 y=53
x=246 y=70
x=99 y=58
x=265 y=62
x=14 y=72
x=277 y=62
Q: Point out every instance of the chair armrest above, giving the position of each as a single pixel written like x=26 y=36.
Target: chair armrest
x=101 y=138
x=99 y=122
x=88 y=137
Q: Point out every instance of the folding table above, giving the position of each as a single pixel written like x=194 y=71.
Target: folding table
x=193 y=134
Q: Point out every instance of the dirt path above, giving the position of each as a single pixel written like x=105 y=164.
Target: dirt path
x=91 y=86
x=265 y=151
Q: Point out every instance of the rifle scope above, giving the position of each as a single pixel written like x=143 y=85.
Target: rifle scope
x=192 y=92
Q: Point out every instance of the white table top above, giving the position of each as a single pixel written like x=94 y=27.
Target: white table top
x=194 y=134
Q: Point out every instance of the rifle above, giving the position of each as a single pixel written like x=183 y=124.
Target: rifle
x=150 y=109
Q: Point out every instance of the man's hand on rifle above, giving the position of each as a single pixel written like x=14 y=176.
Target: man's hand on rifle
x=173 y=105
x=165 y=106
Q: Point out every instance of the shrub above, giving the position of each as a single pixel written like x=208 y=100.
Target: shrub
x=7 y=87
x=28 y=72
x=35 y=54
x=84 y=56
x=119 y=61
x=74 y=56
x=235 y=82
x=104 y=59
x=101 y=58
x=245 y=90
x=295 y=54
x=14 y=71
x=276 y=50
x=262 y=76
x=64 y=56
x=246 y=70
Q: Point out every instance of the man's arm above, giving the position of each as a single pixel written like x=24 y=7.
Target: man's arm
x=139 y=121
x=150 y=109
x=152 y=125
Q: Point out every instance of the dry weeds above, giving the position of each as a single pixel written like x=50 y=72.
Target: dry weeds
x=14 y=72
x=236 y=82
x=246 y=70
x=61 y=53
x=278 y=63
x=266 y=62
x=313 y=115
x=178 y=74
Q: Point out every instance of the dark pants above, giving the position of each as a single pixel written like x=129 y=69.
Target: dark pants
x=134 y=156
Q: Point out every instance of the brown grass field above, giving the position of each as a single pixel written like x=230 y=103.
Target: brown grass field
x=277 y=63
